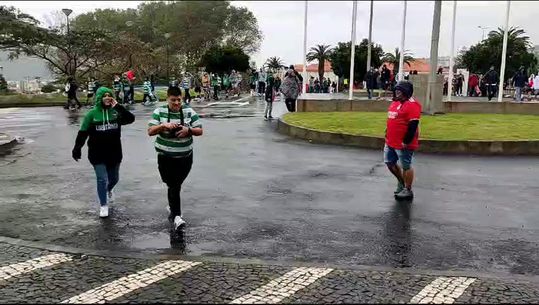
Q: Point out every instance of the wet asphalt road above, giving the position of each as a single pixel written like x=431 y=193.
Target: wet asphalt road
x=254 y=193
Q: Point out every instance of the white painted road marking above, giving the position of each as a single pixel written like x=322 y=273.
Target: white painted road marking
x=283 y=287
x=12 y=270
x=443 y=290
x=124 y=285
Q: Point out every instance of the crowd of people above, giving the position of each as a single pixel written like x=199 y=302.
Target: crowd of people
x=522 y=86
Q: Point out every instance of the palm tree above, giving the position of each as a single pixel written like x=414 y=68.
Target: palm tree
x=395 y=58
x=515 y=36
x=274 y=63
x=321 y=53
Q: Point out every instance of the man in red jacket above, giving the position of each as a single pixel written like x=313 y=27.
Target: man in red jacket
x=473 y=82
x=402 y=136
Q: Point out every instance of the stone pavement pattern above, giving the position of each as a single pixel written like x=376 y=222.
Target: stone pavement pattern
x=32 y=275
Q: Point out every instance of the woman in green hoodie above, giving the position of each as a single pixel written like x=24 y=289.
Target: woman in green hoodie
x=102 y=125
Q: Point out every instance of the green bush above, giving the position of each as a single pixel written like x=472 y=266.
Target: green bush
x=48 y=88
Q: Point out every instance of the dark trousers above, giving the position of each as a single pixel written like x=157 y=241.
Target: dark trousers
x=215 y=92
x=290 y=104
x=491 y=91
x=261 y=87
x=187 y=98
x=173 y=172
x=72 y=97
x=131 y=93
x=117 y=96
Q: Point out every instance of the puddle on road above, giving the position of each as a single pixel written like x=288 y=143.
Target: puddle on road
x=157 y=240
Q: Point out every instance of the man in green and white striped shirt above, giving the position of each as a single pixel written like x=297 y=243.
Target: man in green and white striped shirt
x=175 y=124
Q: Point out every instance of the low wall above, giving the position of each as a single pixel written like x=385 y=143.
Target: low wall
x=509 y=148
x=338 y=105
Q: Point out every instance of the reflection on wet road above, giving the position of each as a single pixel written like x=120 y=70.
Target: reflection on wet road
x=255 y=193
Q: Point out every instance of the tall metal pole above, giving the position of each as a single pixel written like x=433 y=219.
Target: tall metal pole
x=433 y=54
x=352 y=52
x=305 y=80
x=451 y=61
x=504 y=52
x=370 y=39
x=403 y=33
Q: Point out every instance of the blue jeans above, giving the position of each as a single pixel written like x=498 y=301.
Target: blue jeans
x=107 y=177
x=392 y=156
x=518 y=94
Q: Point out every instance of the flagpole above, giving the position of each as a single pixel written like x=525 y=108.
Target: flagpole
x=352 y=52
x=504 y=52
x=451 y=61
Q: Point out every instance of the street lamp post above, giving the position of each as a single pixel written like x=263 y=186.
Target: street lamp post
x=304 y=88
x=68 y=12
x=167 y=36
x=483 y=28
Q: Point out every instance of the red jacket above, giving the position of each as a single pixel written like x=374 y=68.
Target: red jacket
x=473 y=81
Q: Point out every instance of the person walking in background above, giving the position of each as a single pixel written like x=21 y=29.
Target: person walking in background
x=253 y=78
x=370 y=79
x=290 y=89
x=71 y=90
x=269 y=97
x=102 y=128
x=174 y=124
x=402 y=137
x=491 y=82
x=117 y=86
x=90 y=90
x=385 y=77
x=226 y=84
x=131 y=79
x=473 y=83
x=261 y=82
x=519 y=82
x=278 y=87
x=459 y=84
x=186 y=84
x=147 y=89
x=536 y=85
x=215 y=83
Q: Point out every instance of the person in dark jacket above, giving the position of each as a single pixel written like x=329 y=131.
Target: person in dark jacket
x=71 y=90
x=491 y=82
x=519 y=82
x=384 y=77
x=370 y=79
x=102 y=128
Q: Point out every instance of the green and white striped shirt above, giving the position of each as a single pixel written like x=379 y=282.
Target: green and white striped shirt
x=174 y=147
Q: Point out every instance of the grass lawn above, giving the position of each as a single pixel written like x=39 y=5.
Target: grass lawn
x=441 y=127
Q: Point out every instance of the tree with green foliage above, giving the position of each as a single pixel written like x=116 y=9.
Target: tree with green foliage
x=340 y=59
x=274 y=63
x=320 y=53
x=65 y=54
x=224 y=59
x=479 y=57
x=395 y=59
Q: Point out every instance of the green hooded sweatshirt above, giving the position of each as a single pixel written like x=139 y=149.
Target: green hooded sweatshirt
x=102 y=125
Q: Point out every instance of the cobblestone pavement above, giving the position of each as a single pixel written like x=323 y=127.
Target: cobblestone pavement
x=32 y=275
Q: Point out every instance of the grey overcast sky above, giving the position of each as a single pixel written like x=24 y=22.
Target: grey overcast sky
x=329 y=22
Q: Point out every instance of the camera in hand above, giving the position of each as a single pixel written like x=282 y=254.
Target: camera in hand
x=172 y=133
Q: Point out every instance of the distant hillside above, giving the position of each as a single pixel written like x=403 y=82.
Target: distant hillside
x=24 y=67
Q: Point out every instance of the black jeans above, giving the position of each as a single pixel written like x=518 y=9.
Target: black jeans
x=215 y=92
x=261 y=87
x=290 y=104
x=491 y=91
x=173 y=172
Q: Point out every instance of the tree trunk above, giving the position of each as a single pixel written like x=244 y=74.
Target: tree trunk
x=320 y=71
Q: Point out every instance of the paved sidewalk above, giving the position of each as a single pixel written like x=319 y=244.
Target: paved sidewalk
x=32 y=275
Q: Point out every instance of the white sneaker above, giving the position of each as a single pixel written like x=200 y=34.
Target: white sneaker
x=110 y=197
x=178 y=222
x=104 y=211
